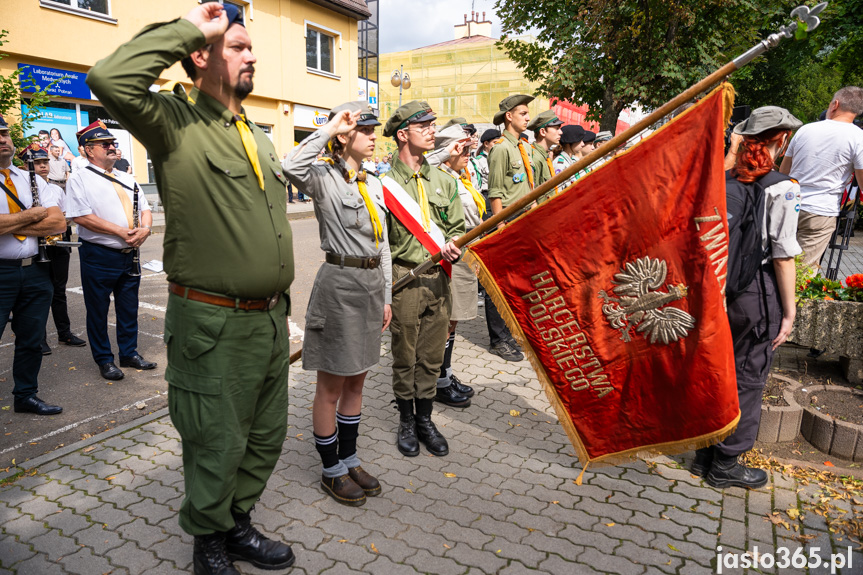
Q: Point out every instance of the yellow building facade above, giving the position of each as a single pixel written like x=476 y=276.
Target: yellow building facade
x=466 y=77
x=306 y=51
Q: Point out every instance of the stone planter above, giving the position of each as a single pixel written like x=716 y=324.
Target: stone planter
x=829 y=435
x=835 y=327
x=778 y=422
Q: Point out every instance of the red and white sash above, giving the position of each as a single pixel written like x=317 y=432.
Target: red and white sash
x=408 y=212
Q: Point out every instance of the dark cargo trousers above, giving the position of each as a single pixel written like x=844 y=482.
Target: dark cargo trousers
x=420 y=327
x=753 y=329
x=228 y=399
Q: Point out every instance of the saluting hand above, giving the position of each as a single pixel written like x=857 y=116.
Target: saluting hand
x=342 y=123
x=210 y=18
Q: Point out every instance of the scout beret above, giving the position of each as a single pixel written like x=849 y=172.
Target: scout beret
x=38 y=152
x=489 y=135
x=367 y=117
x=455 y=122
x=603 y=136
x=544 y=120
x=4 y=127
x=95 y=132
x=234 y=15
x=767 y=118
x=413 y=112
x=588 y=137
x=571 y=134
x=508 y=104
x=448 y=135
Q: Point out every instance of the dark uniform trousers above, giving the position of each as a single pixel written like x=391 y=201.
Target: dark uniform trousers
x=26 y=293
x=753 y=329
x=105 y=271
x=228 y=398
x=420 y=327
x=59 y=277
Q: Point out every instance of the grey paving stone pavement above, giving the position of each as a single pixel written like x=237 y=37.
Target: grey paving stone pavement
x=504 y=501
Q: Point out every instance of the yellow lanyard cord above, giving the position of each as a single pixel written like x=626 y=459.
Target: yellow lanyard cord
x=477 y=197
x=250 y=145
x=423 y=202
x=377 y=227
x=527 y=166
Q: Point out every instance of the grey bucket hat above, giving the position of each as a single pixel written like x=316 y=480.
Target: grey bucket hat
x=767 y=118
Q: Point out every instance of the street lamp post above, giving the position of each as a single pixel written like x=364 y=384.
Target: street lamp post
x=400 y=80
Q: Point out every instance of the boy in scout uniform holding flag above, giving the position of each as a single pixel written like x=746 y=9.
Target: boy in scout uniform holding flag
x=546 y=131
x=424 y=212
x=229 y=260
x=510 y=176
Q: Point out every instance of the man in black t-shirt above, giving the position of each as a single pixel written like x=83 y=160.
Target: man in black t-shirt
x=122 y=164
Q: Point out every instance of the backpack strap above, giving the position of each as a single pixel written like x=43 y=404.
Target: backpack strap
x=772 y=178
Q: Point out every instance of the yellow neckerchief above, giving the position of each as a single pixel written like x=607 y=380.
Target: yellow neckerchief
x=547 y=158
x=527 y=166
x=465 y=179
x=377 y=228
x=250 y=145
x=423 y=202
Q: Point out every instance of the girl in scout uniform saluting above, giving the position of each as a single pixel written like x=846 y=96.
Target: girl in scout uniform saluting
x=350 y=302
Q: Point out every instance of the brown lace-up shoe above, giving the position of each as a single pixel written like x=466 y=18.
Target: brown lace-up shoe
x=344 y=490
x=371 y=486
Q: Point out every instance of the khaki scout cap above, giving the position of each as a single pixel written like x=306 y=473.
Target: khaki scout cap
x=508 y=104
x=544 y=120
x=448 y=135
x=413 y=112
x=767 y=118
x=367 y=117
x=455 y=122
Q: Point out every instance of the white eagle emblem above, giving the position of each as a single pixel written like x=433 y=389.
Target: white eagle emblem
x=639 y=303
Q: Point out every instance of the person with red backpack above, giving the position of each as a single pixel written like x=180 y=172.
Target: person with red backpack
x=762 y=209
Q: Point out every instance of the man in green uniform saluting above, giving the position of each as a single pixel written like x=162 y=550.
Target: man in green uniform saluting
x=229 y=260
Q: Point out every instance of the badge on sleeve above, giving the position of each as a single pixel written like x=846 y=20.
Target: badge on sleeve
x=790 y=195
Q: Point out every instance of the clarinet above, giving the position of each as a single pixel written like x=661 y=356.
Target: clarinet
x=34 y=191
x=136 y=252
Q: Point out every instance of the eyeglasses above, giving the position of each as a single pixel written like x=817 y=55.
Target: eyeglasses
x=104 y=145
x=424 y=129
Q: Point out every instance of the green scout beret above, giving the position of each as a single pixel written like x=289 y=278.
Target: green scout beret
x=544 y=120
x=448 y=135
x=508 y=104
x=767 y=118
x=367 y=117
x=455 y=122
x=413 y=112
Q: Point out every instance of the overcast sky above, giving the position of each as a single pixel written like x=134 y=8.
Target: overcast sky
x=409 y=24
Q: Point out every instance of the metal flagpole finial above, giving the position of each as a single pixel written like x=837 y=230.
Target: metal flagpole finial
x=803 y=14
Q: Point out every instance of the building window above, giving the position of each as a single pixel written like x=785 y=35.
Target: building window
x=96 y=9
x=319 y=51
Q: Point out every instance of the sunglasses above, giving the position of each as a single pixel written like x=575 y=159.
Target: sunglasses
x=104 y=145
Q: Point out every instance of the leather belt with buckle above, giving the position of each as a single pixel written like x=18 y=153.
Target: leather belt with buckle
x=352 y=262
x=22 y=263
x=224 y=301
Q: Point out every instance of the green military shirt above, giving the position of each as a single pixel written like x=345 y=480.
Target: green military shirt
x=224 y=233
x=539 y=163
x=445 y=210
x=507 y=174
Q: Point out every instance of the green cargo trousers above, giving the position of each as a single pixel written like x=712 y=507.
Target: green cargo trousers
x=420 y=327
x=228 y=398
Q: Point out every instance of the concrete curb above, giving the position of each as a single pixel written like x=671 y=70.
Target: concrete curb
x=66 y=450
x=829 y=435
x=781 y=423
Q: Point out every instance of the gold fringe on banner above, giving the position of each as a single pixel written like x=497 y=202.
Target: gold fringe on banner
x=647 y=451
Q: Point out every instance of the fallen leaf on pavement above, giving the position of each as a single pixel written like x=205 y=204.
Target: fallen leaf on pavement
x=609 y=524
x=514 y=412
x=373 y=548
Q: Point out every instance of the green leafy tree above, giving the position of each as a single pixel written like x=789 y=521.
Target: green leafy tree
x=611 y=55
x=10 y=101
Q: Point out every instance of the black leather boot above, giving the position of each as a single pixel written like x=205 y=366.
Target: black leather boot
x=407 y=442
x=449 y=395
x=209 y=556
x=726 y=471
x=426 y=430
x=702 y=462
x=463 y=389
x=245 y=543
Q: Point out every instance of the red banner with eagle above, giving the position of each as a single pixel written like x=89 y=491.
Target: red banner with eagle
x=615 y=290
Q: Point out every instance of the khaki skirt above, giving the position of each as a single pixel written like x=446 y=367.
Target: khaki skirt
x=344 y=320
x=463 y=286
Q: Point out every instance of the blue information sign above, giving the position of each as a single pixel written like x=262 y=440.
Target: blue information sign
x=69 y=84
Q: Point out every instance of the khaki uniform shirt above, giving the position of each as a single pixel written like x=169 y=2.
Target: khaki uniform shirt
x=444 y=208
x=224 y=234
x=539 y=162
x=507 y=173
x=344 y=222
